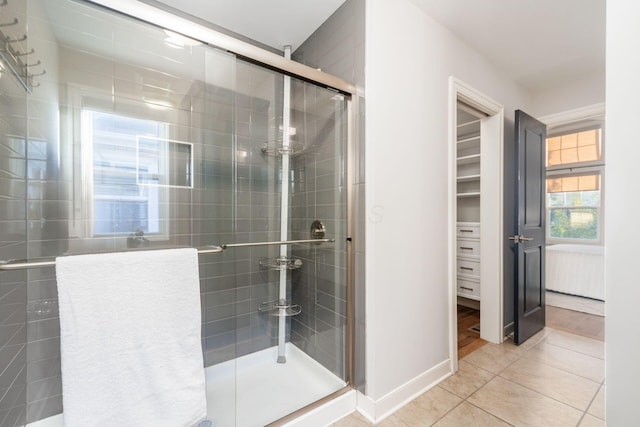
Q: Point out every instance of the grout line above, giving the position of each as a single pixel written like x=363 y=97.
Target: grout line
x=493 y=415
x=593 y=399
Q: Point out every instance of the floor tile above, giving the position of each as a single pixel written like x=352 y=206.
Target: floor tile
x=536 y=339
x=392 y=421
x=467 y=380
x=575 y=322
x=597 y=408
x=576 y=363
x=353 y=420
x=577 y=343
x=467 y=415
x=491 y=357
x=552 y=382
x=589 y=421
x=523 y=407
x=428 y=407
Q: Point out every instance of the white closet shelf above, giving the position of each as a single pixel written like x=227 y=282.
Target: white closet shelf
x=468 y=159
x=468 y=178
x=474 y=194
x=469 y=139
x=472 y=122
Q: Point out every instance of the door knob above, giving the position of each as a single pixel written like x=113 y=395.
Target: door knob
x=520 y=238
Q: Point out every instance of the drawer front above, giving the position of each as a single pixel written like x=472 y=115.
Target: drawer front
x=468 y=231
x=466 y=247
x=468 y=288
x=469 y=268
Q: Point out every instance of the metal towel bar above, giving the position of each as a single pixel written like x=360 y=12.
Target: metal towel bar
x=213 y=249
x=282 y=242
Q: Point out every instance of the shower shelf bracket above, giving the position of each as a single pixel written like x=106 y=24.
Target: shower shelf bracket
x=280 y=308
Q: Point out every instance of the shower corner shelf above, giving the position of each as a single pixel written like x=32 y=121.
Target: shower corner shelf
x=276 y=148
x=280 y=263
x=280 y=308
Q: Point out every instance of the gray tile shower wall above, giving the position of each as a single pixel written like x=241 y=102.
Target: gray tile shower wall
x=235 y=198
x=336 y=47
x=13 y=238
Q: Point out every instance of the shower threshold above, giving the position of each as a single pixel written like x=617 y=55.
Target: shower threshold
x=254 y=390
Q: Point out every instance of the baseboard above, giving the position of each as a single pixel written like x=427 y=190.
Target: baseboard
x=328 y=413
x=377 y=410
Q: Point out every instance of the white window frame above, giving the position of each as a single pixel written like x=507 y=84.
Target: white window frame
x=79 y=100
x=589 y=118
x=578 y=171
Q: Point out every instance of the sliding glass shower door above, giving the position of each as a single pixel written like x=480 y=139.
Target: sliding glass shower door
x=276 y=316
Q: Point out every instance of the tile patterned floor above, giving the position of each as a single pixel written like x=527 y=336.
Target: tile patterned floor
x=564 y=386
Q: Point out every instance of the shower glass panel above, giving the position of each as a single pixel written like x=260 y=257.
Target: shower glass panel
x=137 y=137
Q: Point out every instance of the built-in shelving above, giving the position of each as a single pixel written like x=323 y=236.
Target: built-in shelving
x=468 y=159
x=474 y=194
x=468 y=177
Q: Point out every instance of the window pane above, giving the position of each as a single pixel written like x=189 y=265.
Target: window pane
x=574 y=148
x=573 y=214
x=574 y=223
x=573 y=183
x=120 y=205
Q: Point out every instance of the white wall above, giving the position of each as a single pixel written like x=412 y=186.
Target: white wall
x=622 y=205
x=409 y=58
x=583 y=91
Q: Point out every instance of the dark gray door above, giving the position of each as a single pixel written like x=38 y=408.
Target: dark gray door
x=529 y=239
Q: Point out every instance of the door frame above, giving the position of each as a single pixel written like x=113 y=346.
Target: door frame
x=491 y=214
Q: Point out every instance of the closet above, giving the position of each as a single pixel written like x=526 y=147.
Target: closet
x=468 y=195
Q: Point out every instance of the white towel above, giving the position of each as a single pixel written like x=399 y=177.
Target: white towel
x=130 y=339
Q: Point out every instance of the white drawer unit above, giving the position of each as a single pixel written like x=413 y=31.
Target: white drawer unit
x=468 y=230
x=469 y=289
x=468 y=267
x=468 y=248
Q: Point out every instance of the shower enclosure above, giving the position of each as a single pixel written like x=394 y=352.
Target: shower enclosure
x=118 y=135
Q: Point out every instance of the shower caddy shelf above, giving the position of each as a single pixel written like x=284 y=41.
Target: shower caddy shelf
x=280 y=263
x=280 y=308
x=276 y=148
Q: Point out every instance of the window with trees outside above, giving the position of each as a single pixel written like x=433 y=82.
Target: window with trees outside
x=574 y=187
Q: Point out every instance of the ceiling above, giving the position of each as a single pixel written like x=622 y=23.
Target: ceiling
x=540 y=44
x=276 y=23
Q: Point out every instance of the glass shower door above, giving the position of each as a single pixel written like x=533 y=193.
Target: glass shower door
x=285 y=305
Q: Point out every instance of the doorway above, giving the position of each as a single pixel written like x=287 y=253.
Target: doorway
x=475 y=147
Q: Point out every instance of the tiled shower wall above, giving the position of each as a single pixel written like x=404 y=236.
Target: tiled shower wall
x=13 y=235
x=235 y=198
x=337 y=47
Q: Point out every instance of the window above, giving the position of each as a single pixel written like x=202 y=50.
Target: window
x=574 y=187
x=573 y=204
x=119 y=204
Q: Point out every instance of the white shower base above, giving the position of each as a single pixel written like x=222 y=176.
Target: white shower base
x=254 y=390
